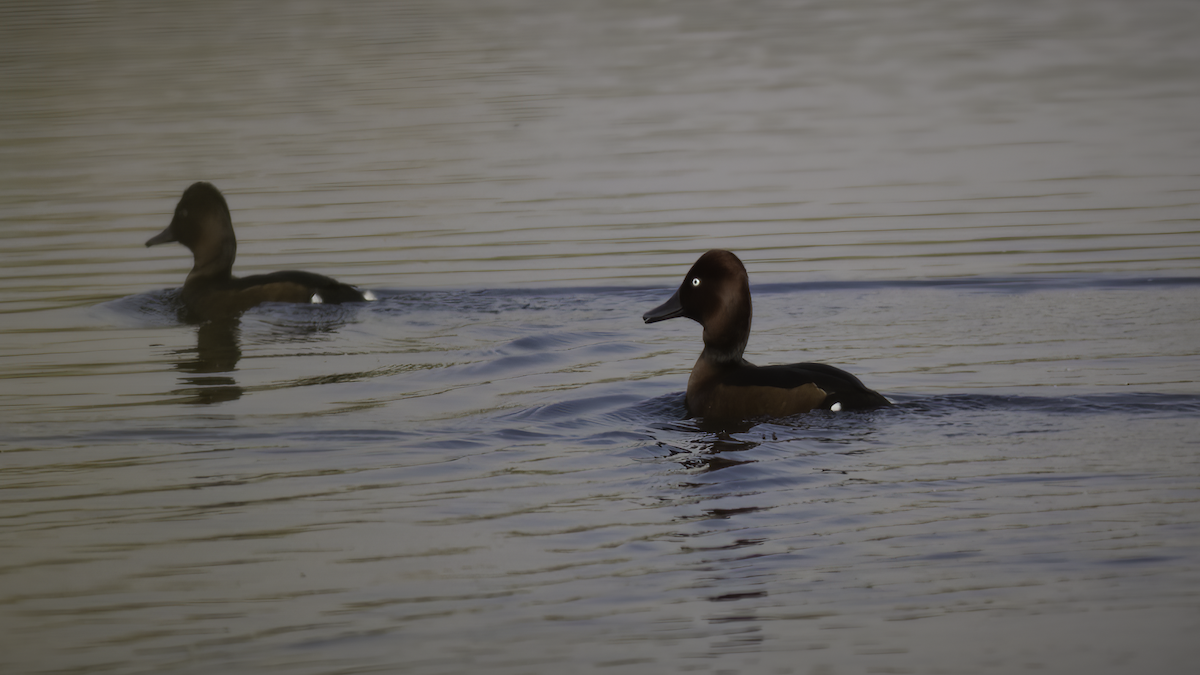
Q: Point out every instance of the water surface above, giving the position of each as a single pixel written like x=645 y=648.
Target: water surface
x=988 y=211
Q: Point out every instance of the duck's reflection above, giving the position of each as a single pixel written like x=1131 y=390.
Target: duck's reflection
x=721 y=451
x=740 y=500
x=211 y=364
x=733 y=581
x=209 y=368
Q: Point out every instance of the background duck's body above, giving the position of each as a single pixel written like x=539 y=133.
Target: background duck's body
x=203 y=224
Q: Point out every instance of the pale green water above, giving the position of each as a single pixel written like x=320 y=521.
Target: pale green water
x=988 y=211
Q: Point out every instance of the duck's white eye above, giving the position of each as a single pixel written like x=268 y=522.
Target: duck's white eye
x=695 y=281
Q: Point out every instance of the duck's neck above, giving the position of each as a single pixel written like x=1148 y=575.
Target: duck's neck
x=727 y=328
x=213 y=261
x=726 y=346
x=725 y=355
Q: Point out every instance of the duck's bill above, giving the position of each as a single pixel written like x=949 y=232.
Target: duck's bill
x=668 y=310
x=162 y=237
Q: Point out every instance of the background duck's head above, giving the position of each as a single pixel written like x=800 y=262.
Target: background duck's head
x=203 y=224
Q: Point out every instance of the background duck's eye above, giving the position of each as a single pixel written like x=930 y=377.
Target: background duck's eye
x=695 y=281
x=183 y=213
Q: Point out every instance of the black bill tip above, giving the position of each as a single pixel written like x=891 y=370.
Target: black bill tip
x=668 y=310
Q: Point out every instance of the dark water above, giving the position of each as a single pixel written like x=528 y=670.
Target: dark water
x=987 y=211
x=449 y=481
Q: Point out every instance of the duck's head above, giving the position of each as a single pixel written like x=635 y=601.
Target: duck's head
x=202 y=223
x=716 y=294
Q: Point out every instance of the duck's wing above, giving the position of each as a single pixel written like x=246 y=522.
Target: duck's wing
x=841 y=387
x=296 y=286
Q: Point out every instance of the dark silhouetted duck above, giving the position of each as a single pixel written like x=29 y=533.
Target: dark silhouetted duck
x=202 y=223
x=723 y=385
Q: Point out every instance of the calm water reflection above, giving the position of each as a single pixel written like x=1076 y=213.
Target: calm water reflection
x=987 y=210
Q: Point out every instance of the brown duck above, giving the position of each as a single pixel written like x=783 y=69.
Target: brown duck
x=724 y=385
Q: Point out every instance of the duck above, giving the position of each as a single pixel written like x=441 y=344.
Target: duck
x=724 y=386
x=203 y=224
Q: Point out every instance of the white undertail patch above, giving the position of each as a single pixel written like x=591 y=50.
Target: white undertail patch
x=317 y=299
x=369 y=296
x=836 y=407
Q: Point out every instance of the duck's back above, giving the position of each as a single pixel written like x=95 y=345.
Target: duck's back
x=745 y=391
x=296 y=286
x=211 y=298
x=838 y=385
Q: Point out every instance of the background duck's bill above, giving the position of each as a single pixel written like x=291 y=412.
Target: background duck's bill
x=161 y=238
